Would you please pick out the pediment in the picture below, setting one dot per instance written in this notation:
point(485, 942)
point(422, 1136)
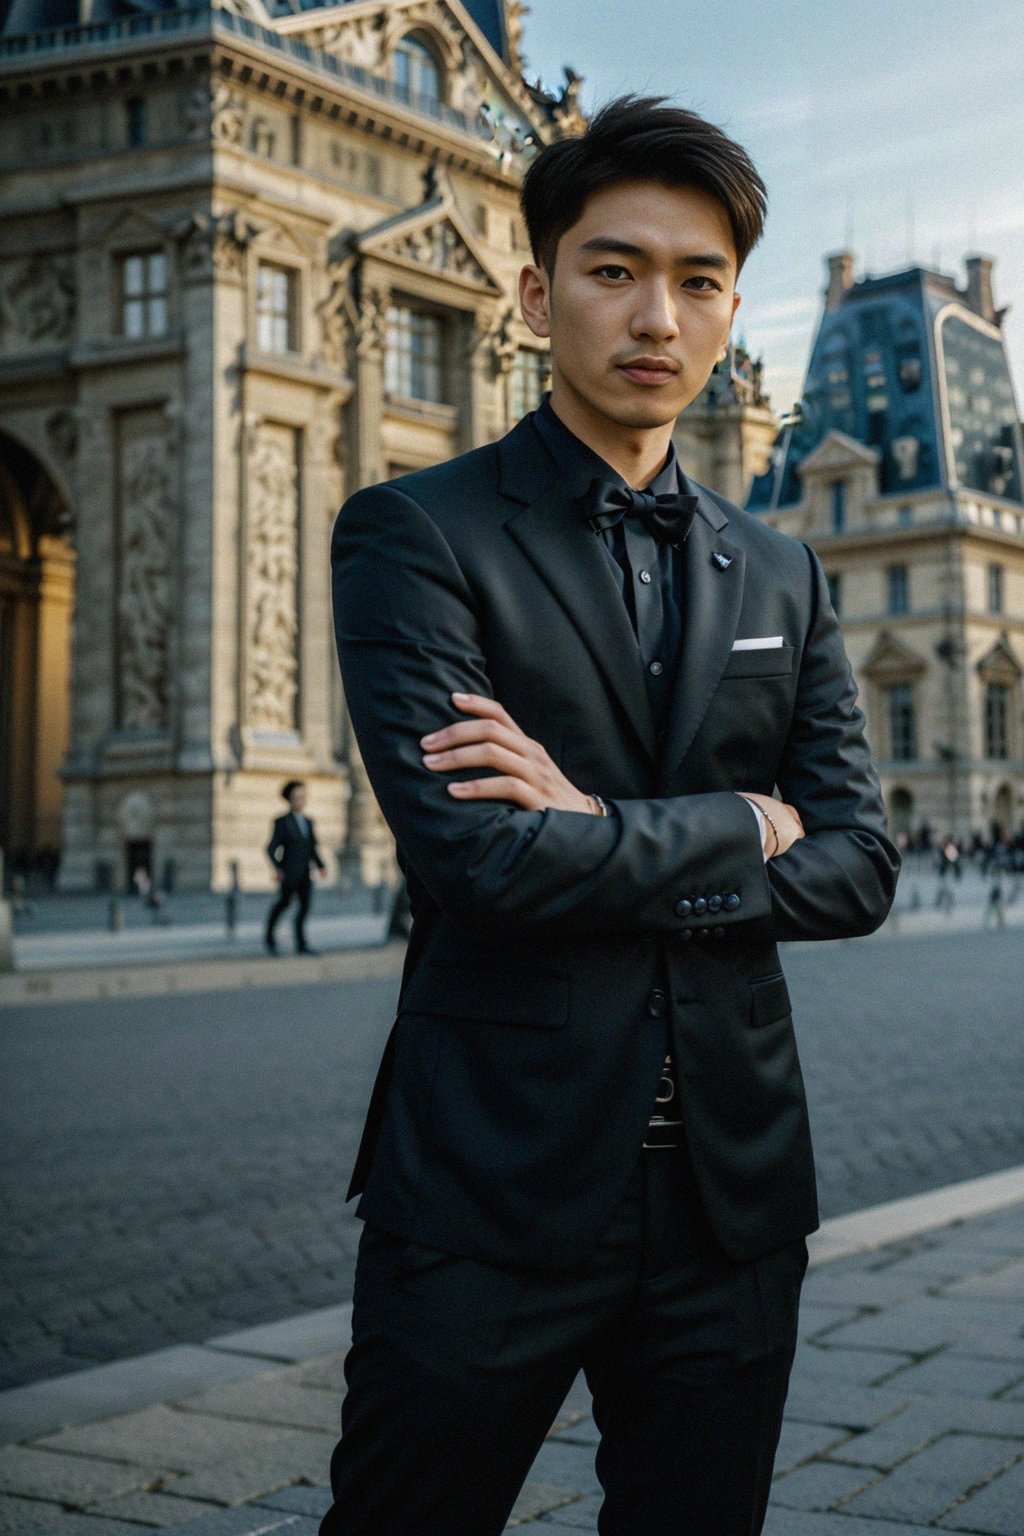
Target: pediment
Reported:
point(132, 226)
point(431, 238)
point(837, 452)
point(271, 238)
point(891, 661)
point(999, 664)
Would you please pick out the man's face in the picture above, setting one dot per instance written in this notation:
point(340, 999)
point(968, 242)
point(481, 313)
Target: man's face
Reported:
point(640, 304)
point(297, 798)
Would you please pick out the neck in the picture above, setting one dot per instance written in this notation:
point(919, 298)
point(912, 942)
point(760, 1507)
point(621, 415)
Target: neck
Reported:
point(636, 453)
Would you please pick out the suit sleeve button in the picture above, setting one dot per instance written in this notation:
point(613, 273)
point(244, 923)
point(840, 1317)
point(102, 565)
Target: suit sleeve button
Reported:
point(684, 908)
point(700, 906)
point(719, 933)
point(657, 1003)
point(715, 903)
point(686, 935)
point(705, 933)
point(731, 902)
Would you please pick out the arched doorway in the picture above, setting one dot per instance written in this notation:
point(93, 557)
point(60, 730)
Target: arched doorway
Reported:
point(36, 600)
point(901, 811)
point(1002, 812)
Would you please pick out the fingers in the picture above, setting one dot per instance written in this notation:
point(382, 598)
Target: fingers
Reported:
point(465, 731)
point(499, 788)
point(476, 754)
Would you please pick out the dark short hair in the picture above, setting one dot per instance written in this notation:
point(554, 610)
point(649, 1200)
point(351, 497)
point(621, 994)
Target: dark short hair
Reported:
point(640, 138)
point(286, 791)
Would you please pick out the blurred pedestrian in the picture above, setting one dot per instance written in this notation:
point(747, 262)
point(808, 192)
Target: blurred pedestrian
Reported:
point(292, 849)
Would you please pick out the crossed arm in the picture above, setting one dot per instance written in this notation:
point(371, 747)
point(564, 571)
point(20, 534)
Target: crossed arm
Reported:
point(525, 775)
point(513, 853)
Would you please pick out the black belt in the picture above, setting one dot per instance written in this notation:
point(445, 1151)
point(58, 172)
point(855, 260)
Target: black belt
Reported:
point(665, 1129)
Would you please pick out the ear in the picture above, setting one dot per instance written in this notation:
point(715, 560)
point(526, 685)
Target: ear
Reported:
point(535, 299)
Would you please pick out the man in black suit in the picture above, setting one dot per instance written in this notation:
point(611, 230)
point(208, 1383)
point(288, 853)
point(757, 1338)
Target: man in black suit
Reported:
point(292, 849)
point(609, 718)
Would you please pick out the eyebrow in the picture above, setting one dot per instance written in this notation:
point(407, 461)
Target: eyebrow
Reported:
point(608, 245)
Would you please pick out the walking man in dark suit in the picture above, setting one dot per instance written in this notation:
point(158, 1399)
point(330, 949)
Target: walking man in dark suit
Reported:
point(292, 849)
point(609, 718)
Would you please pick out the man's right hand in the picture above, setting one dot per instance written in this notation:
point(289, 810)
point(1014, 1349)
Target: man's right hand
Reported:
point(786, 819)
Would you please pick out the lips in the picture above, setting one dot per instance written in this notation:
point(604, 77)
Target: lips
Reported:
point(649, 370)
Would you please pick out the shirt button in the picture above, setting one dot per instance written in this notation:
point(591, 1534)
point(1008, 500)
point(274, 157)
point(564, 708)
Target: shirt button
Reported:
point(684, 908)
point(655, 668)
point(645, 577)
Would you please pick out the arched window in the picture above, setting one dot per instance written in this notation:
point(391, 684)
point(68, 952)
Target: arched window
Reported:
point(417, 73)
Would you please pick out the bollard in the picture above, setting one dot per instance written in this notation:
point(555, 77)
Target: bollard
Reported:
point(6, 926)
point(231, 902)
point(115, 915)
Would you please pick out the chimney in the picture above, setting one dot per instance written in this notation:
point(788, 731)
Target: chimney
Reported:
point(979, 286)
point(840, 277)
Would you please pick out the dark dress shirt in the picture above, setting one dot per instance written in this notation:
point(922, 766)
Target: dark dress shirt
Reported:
point(649, 576)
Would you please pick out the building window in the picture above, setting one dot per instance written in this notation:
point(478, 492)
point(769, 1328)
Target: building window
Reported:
point(997, 720)
point(995, 589)
point(416, 72)
point(835, 592)
point(838, 490)
point(902, 723)
point(135, 121)
point(413, 359)
point(904, 516)
point(529, 380)
point(144, 294)
point(275, 308)
point(898, 578)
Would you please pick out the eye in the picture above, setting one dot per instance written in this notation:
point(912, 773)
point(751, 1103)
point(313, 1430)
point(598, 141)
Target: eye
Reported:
point(612, 271)
point(712, 287)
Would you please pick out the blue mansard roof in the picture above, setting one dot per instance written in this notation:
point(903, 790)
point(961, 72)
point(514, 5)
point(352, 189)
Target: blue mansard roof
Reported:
point(917, 368)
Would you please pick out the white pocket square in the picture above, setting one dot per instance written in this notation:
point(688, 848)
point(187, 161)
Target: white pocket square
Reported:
point(759, 643)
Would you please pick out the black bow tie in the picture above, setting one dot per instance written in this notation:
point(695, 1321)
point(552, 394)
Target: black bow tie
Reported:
point(667, 517)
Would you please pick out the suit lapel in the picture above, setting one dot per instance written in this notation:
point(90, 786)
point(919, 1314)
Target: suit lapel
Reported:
point(568, 558)
point(712, 598)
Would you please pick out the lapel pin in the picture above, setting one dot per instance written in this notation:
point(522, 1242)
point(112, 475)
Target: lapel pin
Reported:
point(722, 561)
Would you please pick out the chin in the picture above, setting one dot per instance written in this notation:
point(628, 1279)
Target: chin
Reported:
point(643, 412)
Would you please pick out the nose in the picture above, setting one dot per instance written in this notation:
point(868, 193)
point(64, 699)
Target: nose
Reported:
point(655, 313)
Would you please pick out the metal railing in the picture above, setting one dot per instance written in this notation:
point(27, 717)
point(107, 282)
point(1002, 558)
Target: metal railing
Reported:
point(206, 19)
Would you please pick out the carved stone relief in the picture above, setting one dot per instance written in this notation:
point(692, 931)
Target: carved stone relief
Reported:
point(439, 245)
point(372, 322)
point(37, 302)
point(357, 42)
point(338, 323)
point(495, 336)
point(144, 584)
point(271, 690)
point(214, 245)
point(228, 113)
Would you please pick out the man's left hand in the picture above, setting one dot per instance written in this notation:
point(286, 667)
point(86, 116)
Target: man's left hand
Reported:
point(526, 776)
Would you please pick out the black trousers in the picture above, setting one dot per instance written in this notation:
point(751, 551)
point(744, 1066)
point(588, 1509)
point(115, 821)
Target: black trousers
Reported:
point(458, 1368)
point(302, 888)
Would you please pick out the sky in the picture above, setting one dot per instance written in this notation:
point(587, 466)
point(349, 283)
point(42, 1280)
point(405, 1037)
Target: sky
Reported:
point(892, 128)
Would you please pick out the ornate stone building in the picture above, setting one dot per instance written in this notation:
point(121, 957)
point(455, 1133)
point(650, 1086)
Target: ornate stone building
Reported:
point(906, 473)
point(251, 258)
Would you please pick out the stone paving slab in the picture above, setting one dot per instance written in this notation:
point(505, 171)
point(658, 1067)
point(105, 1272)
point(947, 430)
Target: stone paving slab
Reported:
point(877, 1440)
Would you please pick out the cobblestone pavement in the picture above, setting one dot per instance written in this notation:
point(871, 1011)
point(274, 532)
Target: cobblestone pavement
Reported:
point(905, 1413)
point(175, 1166)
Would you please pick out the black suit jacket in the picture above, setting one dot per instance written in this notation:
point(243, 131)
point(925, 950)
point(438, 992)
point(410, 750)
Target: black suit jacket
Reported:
point(291, 852)
point(552, 951)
